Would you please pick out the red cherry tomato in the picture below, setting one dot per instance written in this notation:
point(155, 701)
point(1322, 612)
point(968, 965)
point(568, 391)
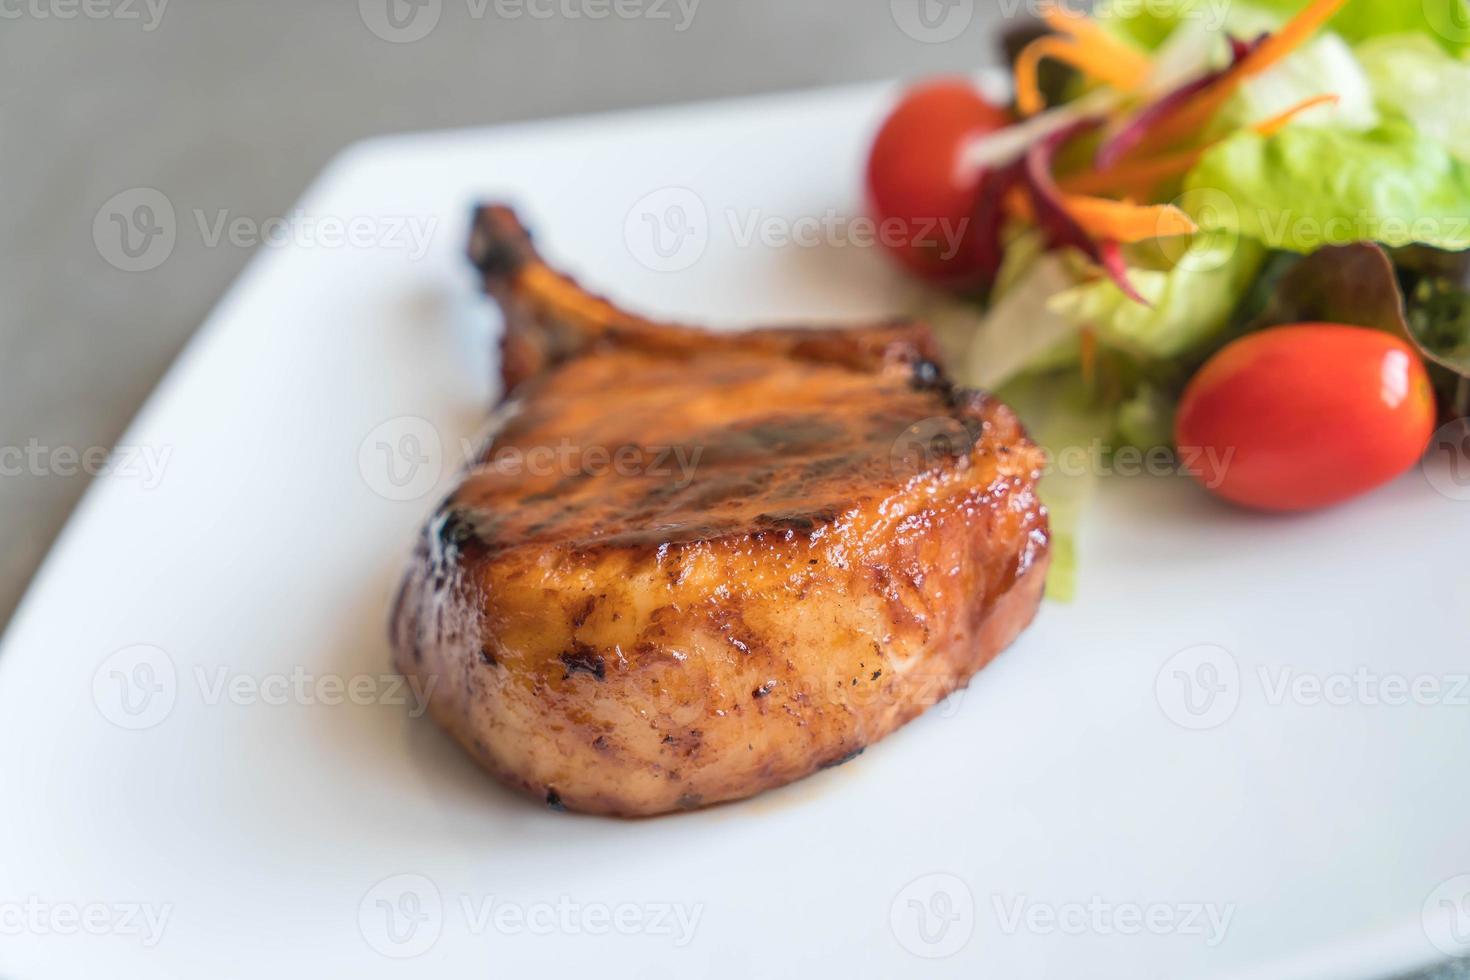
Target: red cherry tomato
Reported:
point(1305, 416)
point(920, 191)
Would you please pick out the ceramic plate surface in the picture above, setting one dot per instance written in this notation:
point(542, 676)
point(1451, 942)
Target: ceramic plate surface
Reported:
point(1240, 753)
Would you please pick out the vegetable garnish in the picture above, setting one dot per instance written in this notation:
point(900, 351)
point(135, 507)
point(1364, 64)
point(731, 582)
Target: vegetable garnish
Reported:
point(1195, 113)
point(1085, 46)
point(1143, 176)
point(1182, 187)
point(1127, 223)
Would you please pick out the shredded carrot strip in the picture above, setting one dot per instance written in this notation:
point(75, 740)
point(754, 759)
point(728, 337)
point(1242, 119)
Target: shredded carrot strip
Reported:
point(1131, 175)
point(1088, 338)
point(1194, 114)
point(1094, 61)
point(1127, 223)
point(1278, 122)
point(1028, 66)
point(1092, 36)
point(1150, 172)
point(1017, 204)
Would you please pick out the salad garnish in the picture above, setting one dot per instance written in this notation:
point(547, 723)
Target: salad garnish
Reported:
point(1161, 188)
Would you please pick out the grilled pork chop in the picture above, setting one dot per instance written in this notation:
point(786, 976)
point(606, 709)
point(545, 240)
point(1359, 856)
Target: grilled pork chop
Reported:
point(691, 566)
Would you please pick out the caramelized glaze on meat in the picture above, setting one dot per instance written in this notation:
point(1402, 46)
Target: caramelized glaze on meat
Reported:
point(691, 566)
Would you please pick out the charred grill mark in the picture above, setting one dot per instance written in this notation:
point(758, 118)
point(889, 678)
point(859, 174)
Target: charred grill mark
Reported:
point(795, 520)
point(583, 659)
point(456, 529)
point(834, 763)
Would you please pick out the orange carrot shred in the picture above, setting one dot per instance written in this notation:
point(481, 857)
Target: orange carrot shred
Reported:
point(1018, 205)
point(1088, 337)
point(1128, 60)
point(1160, 168)
point(1194, 114)
point(1123, 222)
point(1028, 66)
point(1132, 175)
point(1105, 61)
point(1278, 122)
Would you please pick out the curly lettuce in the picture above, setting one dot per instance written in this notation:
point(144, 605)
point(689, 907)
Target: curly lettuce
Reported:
point(1189, 304)
point(1413, 78)
point(1308, 187)
point(1446, 22)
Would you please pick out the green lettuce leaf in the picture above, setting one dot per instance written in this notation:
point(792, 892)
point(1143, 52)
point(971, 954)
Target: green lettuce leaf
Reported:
point(1146, 419)
point(1447, 22)
point(1189, 303)
point(1414, 78)
point(1062, 416)
point(1323, 66)
point(1150, 22)
point(1307, 187)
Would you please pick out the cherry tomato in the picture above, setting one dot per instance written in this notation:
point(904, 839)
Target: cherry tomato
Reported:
point(1305, 416)
point(920, 190)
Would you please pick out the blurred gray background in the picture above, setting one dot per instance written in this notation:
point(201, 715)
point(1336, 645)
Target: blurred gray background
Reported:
point(235, 106)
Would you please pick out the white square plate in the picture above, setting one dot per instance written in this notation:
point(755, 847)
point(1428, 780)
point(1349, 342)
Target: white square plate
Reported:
point(1128, 792)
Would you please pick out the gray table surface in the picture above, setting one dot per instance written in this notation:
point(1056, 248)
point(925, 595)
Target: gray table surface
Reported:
point(235, 106)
